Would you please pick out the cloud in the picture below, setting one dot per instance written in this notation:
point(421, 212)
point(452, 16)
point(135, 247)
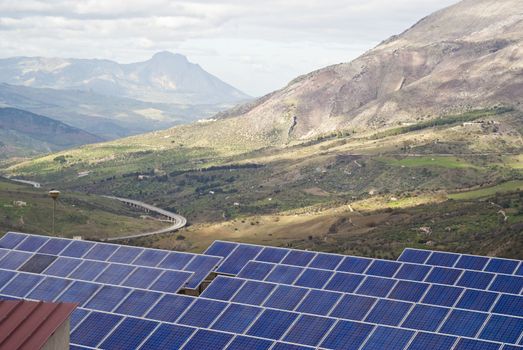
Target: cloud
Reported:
point(257, 46)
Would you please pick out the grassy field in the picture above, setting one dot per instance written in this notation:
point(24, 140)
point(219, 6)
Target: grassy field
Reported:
point(449, 162)
point(510, 186)
point(89, 216)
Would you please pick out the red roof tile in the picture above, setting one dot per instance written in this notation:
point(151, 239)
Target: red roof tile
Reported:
point(26, 325)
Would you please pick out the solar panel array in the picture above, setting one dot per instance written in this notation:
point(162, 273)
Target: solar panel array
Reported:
point(268, 298)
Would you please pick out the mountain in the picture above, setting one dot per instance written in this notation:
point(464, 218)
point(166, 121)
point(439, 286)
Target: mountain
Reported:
point(463, 57)
point(165, 78)
point(26, 134)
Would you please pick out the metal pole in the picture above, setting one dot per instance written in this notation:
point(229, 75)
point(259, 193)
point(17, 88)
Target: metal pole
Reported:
point(54, 208)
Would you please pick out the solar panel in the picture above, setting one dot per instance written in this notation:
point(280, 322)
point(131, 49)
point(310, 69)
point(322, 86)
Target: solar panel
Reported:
point(388, 312)
point(423, 341)
point(205, 339)
point(318, 302)
point(243, 342)
point(37, 263)
point(54, 246)
point(223, 288)
point(464, 323)
point(236, 318)
point(21, 285)
point(388, 338)
point(48, 289)
point(238, 258)
point(95, 327)
point(270, 254)
point(347, 335)
point(138, 302)
point(256, 270)
point(168, 336)
point(170, 308)
point(10, 240)
point(101, 252)
point(272, 324)
point(286, 297)
point(253, 293)
point(344, 282)
point(107, 298)
point(129, 334)
point(309, 330)
point(32, 243)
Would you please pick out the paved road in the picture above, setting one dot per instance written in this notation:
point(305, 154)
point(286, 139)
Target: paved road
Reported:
point(27, 182)
point(178, 220)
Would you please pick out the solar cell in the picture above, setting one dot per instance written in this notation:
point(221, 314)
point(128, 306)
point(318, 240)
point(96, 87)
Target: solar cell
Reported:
point(168, 336)
point(3, 252)
point(11, 239)
point(388, 338)
point(171, 281)
point(273, 255)
point(472, 262)
point(125, 254)
point(48, 289)
point(256, 270)
point(236, 318)
point(443, 275)
point(313, 278)
point(37, 263)
point(142, 277)
point(21, 284)
point(114, 274)
point(414, 255)
point(354, 264)
point(347, 335)
point(176, 261)
point(170, 307)
point(220, 248)
point(101, 252)
point(205, 339)
point(202, 313)
point(94, 328)
point(442, 295)
point(13, 260)
point(376, 286)
point(424, 341)
point(477, 300)
point(78, 292)
point(241, 342)
point(285, 297)
point(32, 243)
point(138, 303)
point(326, 261)
point(425, 317)
point(472, 344)
point(502, 265)
point(413, 272)
point(464, 323)
point(503, 329)
point(475, 279)
point(54, 246)
point(383, 268)
point(388, 312)
point(129, 334)
point(519, 272)
point(77, 316)
point(507, 284)
point(88, 270)
point(309, 330)
point(107, 298)
point(344, 282)
point(442, 259)
point(62, 267)
point(222, 288)
point(253, 293)
point(298, 258)
point(5, 276)
point(272, 324)
point(150, 257)
point(201, 266)
point(353, 307)
point(509, 305)
point(77, 249)
point(284, 274)
point(238, 258)
point(319, 302)
point(408, 291)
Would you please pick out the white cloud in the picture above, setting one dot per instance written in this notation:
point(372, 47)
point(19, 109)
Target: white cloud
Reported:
point(257, 46)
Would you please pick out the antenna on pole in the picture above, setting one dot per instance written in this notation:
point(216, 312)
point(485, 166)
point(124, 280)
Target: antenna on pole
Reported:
point(54, 195)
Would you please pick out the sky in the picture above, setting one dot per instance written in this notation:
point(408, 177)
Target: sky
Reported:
point(256, 46)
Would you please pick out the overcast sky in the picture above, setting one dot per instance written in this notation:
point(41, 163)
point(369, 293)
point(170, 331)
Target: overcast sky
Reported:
point(257, 46)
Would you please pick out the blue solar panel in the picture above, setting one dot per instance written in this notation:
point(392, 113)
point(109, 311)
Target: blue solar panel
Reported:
point(241, 342)
point(49, 289)
point(388, 312)
point(107, 298)
point(3, 252)
point(204, 339)
point(284, 274)
point(150, 257)
point(376, 286)
point(202, 313)
point(424, 341)
point(13, 260)
point(408, 291)
point(471, 344)
point(176, 261)
point(286, 297)
point(11, 240)
point(32, 243)
point(21, 285)
point(171, 281)
point(443, 259)
point(170, 307)
point(129, 334)
point(272, 324)
point(238, 258)
point(509, 305)
point(77, 316)
point(464, 323)
point(5, 276)
point(94, 328)
point(443, 275)
point(502, 265)
point(471, 262)
point(512, 347)
point(220, 248)
point(309, 330)
point(413, 272)
point(520, 270)
point(503, 329)
point(62, 267)
point(125, 254)
point(287, 346)
point(388, 338)
point(326, 261)
point(347, 335)
point(344, 282)
point(475, 279)
point(168, 336)
point(54, 246)
point(313, 278)
point(353, 307)
point(273, 255)
point(101, 252)
point(414, 255)
point(383, 268)
point(138, 302)
point(318, 302)
point(507, 284)
point(442, 295)
point(142, 277)
point(354, 264)
point(236, 318)
point(88, 270)
point(78, 292)
point(115, 274)
point(77, 249)
point(298, 258)
point(425, 317)
point(477, 300)
point(37, 263)
point(222, 288)
point(201, 265)
point(256, 270)
point(253, 293)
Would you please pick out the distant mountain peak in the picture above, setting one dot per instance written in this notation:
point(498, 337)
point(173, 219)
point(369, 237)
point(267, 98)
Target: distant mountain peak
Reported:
point(168, 56)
